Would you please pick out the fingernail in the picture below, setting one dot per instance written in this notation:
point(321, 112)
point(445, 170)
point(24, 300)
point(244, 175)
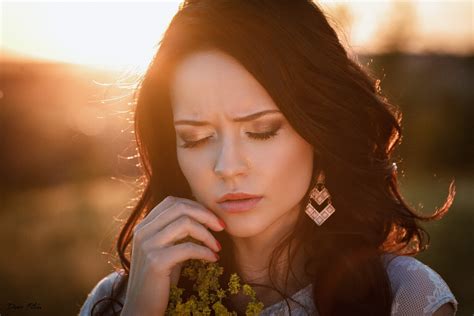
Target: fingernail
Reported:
point(222, 223)
point(219, 245)
point(217, 256)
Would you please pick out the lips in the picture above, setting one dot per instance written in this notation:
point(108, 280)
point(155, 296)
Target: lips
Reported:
point(237, 196)
point(239, 205)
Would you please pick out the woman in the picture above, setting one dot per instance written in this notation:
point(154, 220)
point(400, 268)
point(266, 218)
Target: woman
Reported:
point(258, 101)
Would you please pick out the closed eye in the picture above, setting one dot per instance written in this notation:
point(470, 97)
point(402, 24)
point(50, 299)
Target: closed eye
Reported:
point(257, 136)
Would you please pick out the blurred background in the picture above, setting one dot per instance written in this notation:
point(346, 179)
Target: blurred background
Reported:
point(67, 75)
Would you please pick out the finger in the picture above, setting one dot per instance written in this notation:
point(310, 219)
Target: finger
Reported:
point(156, 211)
point(214, 222)
point(179, 229)
point(188, 250)
point(166, 259)
point(179, 209)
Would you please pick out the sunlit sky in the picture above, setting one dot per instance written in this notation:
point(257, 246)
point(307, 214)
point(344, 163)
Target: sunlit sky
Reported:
point(125, 33)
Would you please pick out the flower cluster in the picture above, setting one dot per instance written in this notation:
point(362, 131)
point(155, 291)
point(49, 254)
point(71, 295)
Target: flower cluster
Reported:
point(207, 295)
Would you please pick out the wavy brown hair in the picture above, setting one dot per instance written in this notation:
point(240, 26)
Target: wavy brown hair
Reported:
point(334, 104)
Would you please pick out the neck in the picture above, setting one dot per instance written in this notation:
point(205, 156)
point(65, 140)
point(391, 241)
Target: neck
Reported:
point(267, 295)
point(252, 254)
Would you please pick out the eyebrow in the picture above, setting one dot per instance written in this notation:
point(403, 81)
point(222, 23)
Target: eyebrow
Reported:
point(246, 118)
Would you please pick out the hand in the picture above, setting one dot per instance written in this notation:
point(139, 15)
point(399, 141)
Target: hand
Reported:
point(156, 258)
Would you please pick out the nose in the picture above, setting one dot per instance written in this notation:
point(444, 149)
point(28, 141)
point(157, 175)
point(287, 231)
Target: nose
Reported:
point(230, 160)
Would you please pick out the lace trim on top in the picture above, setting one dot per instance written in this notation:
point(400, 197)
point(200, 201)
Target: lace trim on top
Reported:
point(418, 288)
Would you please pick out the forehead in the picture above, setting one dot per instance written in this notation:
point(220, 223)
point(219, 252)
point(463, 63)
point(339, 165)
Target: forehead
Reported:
point(208, 82)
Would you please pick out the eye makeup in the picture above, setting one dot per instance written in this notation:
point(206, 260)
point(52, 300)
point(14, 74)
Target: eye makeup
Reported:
point(268, 130)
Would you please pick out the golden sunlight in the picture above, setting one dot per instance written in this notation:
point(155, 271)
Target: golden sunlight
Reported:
point(106, 34)
point(125, 34)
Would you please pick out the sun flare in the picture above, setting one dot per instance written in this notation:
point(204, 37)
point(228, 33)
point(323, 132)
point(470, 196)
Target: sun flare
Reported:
point(106, 34)
point(116, 34)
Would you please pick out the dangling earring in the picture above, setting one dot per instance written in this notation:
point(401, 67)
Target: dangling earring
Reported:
point(319, 194)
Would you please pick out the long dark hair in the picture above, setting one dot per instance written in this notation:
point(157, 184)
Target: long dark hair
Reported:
point(334, 104)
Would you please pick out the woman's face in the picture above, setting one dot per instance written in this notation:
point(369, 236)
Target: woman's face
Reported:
point(211, 86)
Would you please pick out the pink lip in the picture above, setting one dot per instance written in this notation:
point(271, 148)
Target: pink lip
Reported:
point(236, 196)
point(237, 206)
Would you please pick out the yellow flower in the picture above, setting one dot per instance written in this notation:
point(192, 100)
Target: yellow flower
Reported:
point(234, 283)
point(207, 295)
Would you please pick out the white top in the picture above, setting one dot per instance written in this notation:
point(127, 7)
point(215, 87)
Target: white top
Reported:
point(418, 290)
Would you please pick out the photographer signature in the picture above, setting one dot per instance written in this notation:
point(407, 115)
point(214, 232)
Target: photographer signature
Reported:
point(14, 306)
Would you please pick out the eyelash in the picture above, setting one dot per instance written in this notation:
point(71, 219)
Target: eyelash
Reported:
point(258, 136)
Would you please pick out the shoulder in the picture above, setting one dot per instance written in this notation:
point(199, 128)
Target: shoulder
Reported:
point(101, 290)
point(417, 289)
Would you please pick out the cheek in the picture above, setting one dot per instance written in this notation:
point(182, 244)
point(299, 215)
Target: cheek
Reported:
point(193, 166)
point(289, 168)
point(190, 166)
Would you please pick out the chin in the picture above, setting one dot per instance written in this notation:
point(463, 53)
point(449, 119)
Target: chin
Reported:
point(243, 227)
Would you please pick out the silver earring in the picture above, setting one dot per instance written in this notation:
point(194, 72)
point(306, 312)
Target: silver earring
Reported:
point(320, 194)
